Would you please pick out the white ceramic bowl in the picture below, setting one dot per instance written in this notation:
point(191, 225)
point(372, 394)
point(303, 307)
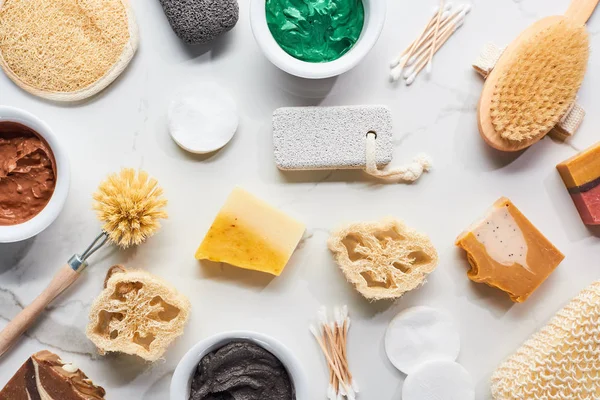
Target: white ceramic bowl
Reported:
point(15, 233)
point(374, 20)
point(182, 378)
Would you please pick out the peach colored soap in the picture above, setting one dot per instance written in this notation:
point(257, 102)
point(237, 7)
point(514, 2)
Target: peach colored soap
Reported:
point(508, 252)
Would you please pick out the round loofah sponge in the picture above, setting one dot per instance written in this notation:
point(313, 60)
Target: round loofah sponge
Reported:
point(137, 313)
point(541, 81)
point(383, 259)
point(66, 50)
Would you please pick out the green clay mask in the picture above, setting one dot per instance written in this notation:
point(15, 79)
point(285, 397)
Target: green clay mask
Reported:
point(315, 30)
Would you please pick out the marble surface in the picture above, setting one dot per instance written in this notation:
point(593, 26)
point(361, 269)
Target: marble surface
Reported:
point(126, 126)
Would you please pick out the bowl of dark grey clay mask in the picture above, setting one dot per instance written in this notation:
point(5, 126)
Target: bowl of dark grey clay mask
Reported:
point(34, 175)
point(314, 38)
point(239, 365)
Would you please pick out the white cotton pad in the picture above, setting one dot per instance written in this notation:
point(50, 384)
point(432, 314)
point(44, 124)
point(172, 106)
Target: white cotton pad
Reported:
point(203, 119)
point(439, 380)
point(421, 334)
point(314, 138)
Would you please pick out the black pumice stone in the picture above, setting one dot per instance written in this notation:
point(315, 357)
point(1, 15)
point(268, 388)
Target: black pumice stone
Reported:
point(200, 21)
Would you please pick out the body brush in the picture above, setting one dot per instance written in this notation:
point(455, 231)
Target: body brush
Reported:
point(535, 82)
point(130, 205)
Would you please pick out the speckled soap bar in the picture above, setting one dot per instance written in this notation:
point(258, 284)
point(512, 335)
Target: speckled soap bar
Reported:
point(313, 138)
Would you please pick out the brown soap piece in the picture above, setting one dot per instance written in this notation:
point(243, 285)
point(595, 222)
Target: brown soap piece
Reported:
point(45, 376)
point(506, 251)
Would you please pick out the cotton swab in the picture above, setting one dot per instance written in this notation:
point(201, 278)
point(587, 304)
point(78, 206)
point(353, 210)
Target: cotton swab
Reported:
point(435, 37)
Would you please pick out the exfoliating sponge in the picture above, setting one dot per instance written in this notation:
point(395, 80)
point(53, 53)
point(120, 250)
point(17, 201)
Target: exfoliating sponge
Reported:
point(137, 313)
point(314, 138)
point(561, 361)
point(383, 259)
point(201, 21)
point(540, 82)
point(66, 50)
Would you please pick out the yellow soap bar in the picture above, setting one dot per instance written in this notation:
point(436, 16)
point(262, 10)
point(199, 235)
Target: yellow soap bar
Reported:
point(250, 234)
point(506, 251)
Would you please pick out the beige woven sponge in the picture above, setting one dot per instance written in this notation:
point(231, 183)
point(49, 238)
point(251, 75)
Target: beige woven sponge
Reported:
point(137, 313)
point(561, 361)
point(541, 81)
point(384, 259)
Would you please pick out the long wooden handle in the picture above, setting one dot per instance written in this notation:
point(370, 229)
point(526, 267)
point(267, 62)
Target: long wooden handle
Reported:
point(15, 328)
point(581, 10)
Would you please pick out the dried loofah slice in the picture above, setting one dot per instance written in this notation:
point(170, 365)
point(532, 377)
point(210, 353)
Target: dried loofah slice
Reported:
point(541, 81)
point(137, 313)
point(66, 50)
point(560, 362)
point(384, 259)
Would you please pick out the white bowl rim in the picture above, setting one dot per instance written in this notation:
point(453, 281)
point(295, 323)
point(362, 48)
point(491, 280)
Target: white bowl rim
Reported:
point(375, 11)
point(182, 377)
point(30, 228)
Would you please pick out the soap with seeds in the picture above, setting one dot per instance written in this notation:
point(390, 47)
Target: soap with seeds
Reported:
point(318, 138)
point(581, 175)
point(506, 251)
point(250, 234)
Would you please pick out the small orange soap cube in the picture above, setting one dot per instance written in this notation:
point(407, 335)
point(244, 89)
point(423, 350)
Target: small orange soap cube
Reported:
point(506, 251)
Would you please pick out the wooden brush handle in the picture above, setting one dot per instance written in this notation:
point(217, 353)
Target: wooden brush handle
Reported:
point(581, 10)
point(15, 328)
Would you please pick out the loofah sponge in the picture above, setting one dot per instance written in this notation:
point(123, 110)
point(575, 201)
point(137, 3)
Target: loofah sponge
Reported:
point(136, 313)
point(560, 362)
point(66, 50)
point(541, 81)
point(200, 21)
point(384, 259)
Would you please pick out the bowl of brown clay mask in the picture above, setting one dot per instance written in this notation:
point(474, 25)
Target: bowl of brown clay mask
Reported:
point(241, 366)
point(34, 175)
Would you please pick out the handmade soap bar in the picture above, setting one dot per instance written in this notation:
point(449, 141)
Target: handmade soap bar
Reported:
point(581, 175)
point(250, 234)
point(45, 376)
point(506, 251)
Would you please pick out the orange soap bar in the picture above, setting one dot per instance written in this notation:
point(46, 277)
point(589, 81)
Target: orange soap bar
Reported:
point(506, 251)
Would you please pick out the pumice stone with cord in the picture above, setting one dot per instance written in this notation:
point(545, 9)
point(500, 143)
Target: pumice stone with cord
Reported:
point(130, 205)
point(347, 137)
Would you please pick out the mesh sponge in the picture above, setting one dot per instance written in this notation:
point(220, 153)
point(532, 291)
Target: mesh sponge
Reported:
point(562, 361)
point(384, 259)
point(540, 81)
point(64, 45)
point(136, 313)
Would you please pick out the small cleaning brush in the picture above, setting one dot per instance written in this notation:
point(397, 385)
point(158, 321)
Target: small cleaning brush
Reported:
point(536, 80)
point(130, 205)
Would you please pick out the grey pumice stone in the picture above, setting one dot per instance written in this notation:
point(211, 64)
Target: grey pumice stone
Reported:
point(200, 21)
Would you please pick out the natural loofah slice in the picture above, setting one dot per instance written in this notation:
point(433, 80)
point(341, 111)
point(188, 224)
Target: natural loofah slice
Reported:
point(540, 82)
point(66, 50)
point(384, 259)
point(560, 362)
point(137, 313)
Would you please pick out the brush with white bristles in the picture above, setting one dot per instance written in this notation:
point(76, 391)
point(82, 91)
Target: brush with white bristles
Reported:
point(332, 338)
point(419, 55)
point(130, 205)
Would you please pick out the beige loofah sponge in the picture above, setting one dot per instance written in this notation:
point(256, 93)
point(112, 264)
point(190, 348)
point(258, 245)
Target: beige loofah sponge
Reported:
point(384, 259)
point(137, 313)
point(560, 362)
point(66, 50)
point(540, 82)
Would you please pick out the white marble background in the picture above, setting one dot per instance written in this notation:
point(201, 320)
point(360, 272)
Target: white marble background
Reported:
point(126, 126)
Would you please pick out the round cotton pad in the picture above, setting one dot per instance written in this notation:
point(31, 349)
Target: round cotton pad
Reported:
point(203, 120)
point(439, 380)
point(421, 334)
point(66, 50)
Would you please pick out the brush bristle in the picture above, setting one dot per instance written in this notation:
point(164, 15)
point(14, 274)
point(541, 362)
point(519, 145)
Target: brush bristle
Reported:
point(541, 81)
point(130, 205)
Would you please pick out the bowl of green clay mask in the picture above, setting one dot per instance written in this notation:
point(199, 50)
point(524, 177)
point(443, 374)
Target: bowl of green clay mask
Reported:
point(316, 38)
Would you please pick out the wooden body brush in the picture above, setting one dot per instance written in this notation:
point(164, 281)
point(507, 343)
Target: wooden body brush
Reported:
point(130, 205)
point(536, 80)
